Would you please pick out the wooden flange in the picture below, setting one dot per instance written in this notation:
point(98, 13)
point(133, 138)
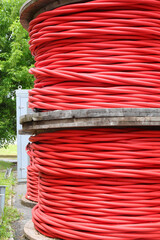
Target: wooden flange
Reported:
point(27, 202)
point(88, 118)
point(32, 234)
point(32, 8)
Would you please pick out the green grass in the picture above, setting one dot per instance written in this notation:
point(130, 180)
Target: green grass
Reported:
point(10, 213)
point(9, 182)
point(5, 165)
point(10, 150)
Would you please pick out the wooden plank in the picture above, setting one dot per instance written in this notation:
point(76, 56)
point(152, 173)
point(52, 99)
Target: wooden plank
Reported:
point(52, 125)
point(91, 113)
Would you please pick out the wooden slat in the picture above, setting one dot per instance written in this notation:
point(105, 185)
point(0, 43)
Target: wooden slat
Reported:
point(91, 113)
point(52, 125)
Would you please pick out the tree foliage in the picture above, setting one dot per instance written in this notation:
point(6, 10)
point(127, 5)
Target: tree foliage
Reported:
point(15, 60)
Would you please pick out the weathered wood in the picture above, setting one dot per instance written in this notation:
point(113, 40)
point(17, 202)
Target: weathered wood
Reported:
point(32, 234)
point(32, 8)
point(73, 123)
point(27, 203)
point(91, 113)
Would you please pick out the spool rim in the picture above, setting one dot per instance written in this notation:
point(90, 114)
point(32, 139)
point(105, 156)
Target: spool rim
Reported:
point(32, 8)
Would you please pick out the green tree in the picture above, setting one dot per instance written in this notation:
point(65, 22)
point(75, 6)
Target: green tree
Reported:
point(15, 60)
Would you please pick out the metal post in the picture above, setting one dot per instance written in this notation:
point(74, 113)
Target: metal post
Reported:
point(2, 198)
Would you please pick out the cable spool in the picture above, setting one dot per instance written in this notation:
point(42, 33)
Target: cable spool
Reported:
point(98, 54)
point(98, 184)
point(32, 178)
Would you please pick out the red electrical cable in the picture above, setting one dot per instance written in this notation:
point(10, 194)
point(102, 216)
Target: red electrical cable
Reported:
point(97, 54)
point(32, 179)
point(98, 184)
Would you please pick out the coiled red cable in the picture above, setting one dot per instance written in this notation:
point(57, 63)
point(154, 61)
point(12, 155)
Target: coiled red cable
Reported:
point(98, 184)
point(32, 179)
point(97, 54)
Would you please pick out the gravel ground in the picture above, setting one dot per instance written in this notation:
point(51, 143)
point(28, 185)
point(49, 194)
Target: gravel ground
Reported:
point(26, 215)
